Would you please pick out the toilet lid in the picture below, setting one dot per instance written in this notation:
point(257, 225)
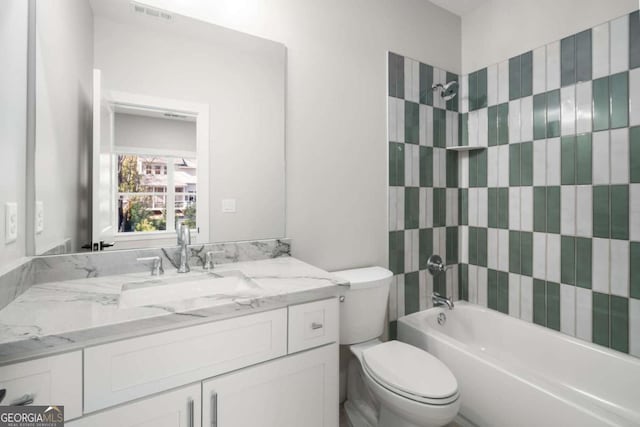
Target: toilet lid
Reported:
point(410, 371)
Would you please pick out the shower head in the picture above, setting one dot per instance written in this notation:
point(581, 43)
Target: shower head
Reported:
point(449, 90)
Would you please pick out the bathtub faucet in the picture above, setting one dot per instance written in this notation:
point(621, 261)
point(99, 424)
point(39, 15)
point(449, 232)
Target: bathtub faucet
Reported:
point(439, 300)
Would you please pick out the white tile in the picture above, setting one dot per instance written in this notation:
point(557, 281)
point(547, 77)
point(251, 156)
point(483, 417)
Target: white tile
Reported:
point(400, 208)
point(492, 248)
point(553, 161)
point(526, 208)
point(514, 295)
point(452, 282)
point(473, 284)
point(568, 110)
point(408, 79)
point(429, 210)
point(452, 206)
point(634, 97)
point(464, 94)
point(400, 295)
point(393, 201)
point(482, 286)
point(540, 70)
point(441, 234)
point(514, 121)
point(483, 127)
point(450, 122)
point(400, 120)
point(503, 166)
point(619, 267)
point(553, 258)
point(514, 208)
point(583, 314)
point(483, 206)
point(455, 117)
point(503, 250)
point(422, 220)
point(620, 44)
point(463, 244)
point(429, 126)
point(392, 116)
point(473, 207)
point(393, 299)
point(539, 255)
point(526, 118)
point(634, 212)
point(428, 290)
point(568, 211)
point(620, 156)
point(503, 82)
point(553, 65)
point(439, 76)
point(540, 162)
point(583, 107)
point(568, 309)
point(422, 289)
point(492, 84)
point(492, 166)
point(422, 135)
point(600, 156)
point(472, 128)
point(463, 169)
point(600, 50)
point(584, 210)
point(634, 327)
point(526, 298)
point(600, 265)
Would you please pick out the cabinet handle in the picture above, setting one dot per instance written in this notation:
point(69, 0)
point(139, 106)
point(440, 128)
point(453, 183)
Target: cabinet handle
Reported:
point(214, 409)
point(315, 325)
point(27, 399)
point(191, 414)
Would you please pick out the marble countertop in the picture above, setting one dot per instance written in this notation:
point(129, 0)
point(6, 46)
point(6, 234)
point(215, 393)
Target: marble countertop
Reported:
point(60, 316)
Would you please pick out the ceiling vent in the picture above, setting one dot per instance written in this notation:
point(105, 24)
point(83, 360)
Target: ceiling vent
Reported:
point(151, 11)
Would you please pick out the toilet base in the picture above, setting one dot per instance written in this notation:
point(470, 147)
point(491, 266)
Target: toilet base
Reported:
point(389, 419)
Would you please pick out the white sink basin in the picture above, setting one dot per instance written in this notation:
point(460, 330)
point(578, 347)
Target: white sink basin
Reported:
point(163, 291)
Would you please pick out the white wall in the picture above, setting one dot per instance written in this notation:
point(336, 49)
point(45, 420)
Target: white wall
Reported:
point(500, 29)
point(336, 108)
point(153, 132)
point(64, 58)
point(13, 124)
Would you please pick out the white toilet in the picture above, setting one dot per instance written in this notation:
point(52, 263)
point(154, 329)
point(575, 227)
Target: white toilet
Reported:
point(390, 384)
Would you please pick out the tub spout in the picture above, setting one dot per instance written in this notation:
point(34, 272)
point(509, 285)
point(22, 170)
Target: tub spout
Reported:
point(439, 300)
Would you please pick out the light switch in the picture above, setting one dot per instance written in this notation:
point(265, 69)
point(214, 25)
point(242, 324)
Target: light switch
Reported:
point(10, 222)
point(229, 205)
point(39, 217)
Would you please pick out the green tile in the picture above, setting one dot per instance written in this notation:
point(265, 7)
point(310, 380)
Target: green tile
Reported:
point(411, 293)
point(451, 234)
point(411, 207)
point(473, 169)
point(514, 251)
point(439, 128)
point(619, 323)
point(411, 122)
point(425, 239)
point(481, 94)
point(396, 164)
point(396, 75)
point(452, 104)
point(503, 123)
point(492, 113)
point(526, 253)
point(473, 246)
point(426, 82)
point(540, 209)
point(482, 246)
point(514, 165)
point(526, 74)
point(583, 56)
point(464, 129)
point(526, 163)
point(567, 61)
point(601, 211)
point(481, 159)
point(440, 284)
point(492, 289)
point(430, 83)
point(439, 207)
point(503, 208)
point(492, 208)
point(503, 292)
point(568, 160)
point(393, 330)
point(514, 78)
point(452, 169)
point(568, 260)
point(539, 116)
point(619, 87)
point(634, 40)
point(600, 319)
point(396, 251)
point(539, 302)
point(553, 113)
point(600, 93)
point(473, 91)
point(634, 274)
point(463, 282)
point(619, 212)
point(463, 206)
point(583, 159)
point(634, 153)
point(553, 209)
point(553, 306)
point(426, 166)
point(583, 262)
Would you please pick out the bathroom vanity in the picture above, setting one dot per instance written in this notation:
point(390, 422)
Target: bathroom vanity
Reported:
point(263, 353)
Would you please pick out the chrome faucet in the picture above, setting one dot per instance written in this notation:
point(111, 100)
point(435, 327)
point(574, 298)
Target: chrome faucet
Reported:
point(156, 267)
point(209, 264)
point(435, 265)
point(439, 300)
point(184, 240)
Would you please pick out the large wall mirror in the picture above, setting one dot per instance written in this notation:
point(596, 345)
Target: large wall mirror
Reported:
point(146, 119)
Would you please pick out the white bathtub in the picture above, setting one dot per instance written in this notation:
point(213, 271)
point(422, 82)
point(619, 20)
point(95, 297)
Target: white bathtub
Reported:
point(514, 373)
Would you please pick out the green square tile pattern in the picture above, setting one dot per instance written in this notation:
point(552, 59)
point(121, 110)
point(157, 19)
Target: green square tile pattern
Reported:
point(492, 208)
point(463, 206)
point(583, 56)
point(539, 302)
point(600, 212)
point(553, 113)
point(600, 318)
point(553, 306)
point(568, 260)
point(452, 104)
point(526, 74)
point(463, 131)
point(411, 122)
point(619, 310)
point(503, 208)
point(634, 263)
point(539, 116)
point(492, 289)
point(473, 90)
point(439, 128)
point(426, 167)
point(540, 209)
point(568, 160)
point(619, 100)
point(396, 164)
point(526, 253)
point(478, 89)
point(634, 40)
point(452, 169)
point(503, 123)
point(411, 207)
point(463, 282)
point(396, 75)
point(584, 150)
point(634, 154)
point(502, 303)
point(526, 163)
point(425, 246)
point(600, 93)
point(619, 212)
point(426, 82)
point(411, 292)
point(567, 61)
point(514, 78)
point(451, 245)
point(514, 252)
point(583, 262)
point(553, 210)
point(396, 251)
point(492, 135)
point(514, 165)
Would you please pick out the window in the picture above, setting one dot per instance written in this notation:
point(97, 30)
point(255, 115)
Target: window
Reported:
point(155, 193)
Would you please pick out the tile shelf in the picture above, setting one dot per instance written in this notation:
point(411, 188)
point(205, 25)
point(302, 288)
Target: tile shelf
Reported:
point(465, 148)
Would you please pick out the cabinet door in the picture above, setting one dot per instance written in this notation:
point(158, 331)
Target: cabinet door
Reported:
point(293, 391)
point(177, 408)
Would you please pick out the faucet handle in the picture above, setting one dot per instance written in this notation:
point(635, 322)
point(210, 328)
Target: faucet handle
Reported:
point(435, 265)
point(208, 259)
point(156, 268)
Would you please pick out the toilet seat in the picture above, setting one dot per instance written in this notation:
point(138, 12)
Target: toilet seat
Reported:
point(410, 372)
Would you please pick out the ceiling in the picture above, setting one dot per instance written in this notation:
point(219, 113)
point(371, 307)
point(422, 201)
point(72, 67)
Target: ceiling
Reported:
point(459, 7)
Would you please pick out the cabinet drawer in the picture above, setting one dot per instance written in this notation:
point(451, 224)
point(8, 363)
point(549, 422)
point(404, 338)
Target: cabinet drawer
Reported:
point(55, 380)
point(313, 324)
point(126, 370)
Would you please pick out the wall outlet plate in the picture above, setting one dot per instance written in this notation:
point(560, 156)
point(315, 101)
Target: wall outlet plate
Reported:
point(39, 217)
point(229, 205)
point(10, 222)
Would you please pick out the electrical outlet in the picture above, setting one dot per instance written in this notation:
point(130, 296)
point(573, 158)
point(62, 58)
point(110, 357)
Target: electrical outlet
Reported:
point(10, 222)
point(229, 205)
point(39, 217)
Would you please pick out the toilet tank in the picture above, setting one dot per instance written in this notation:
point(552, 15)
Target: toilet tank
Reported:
point(364, 308)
